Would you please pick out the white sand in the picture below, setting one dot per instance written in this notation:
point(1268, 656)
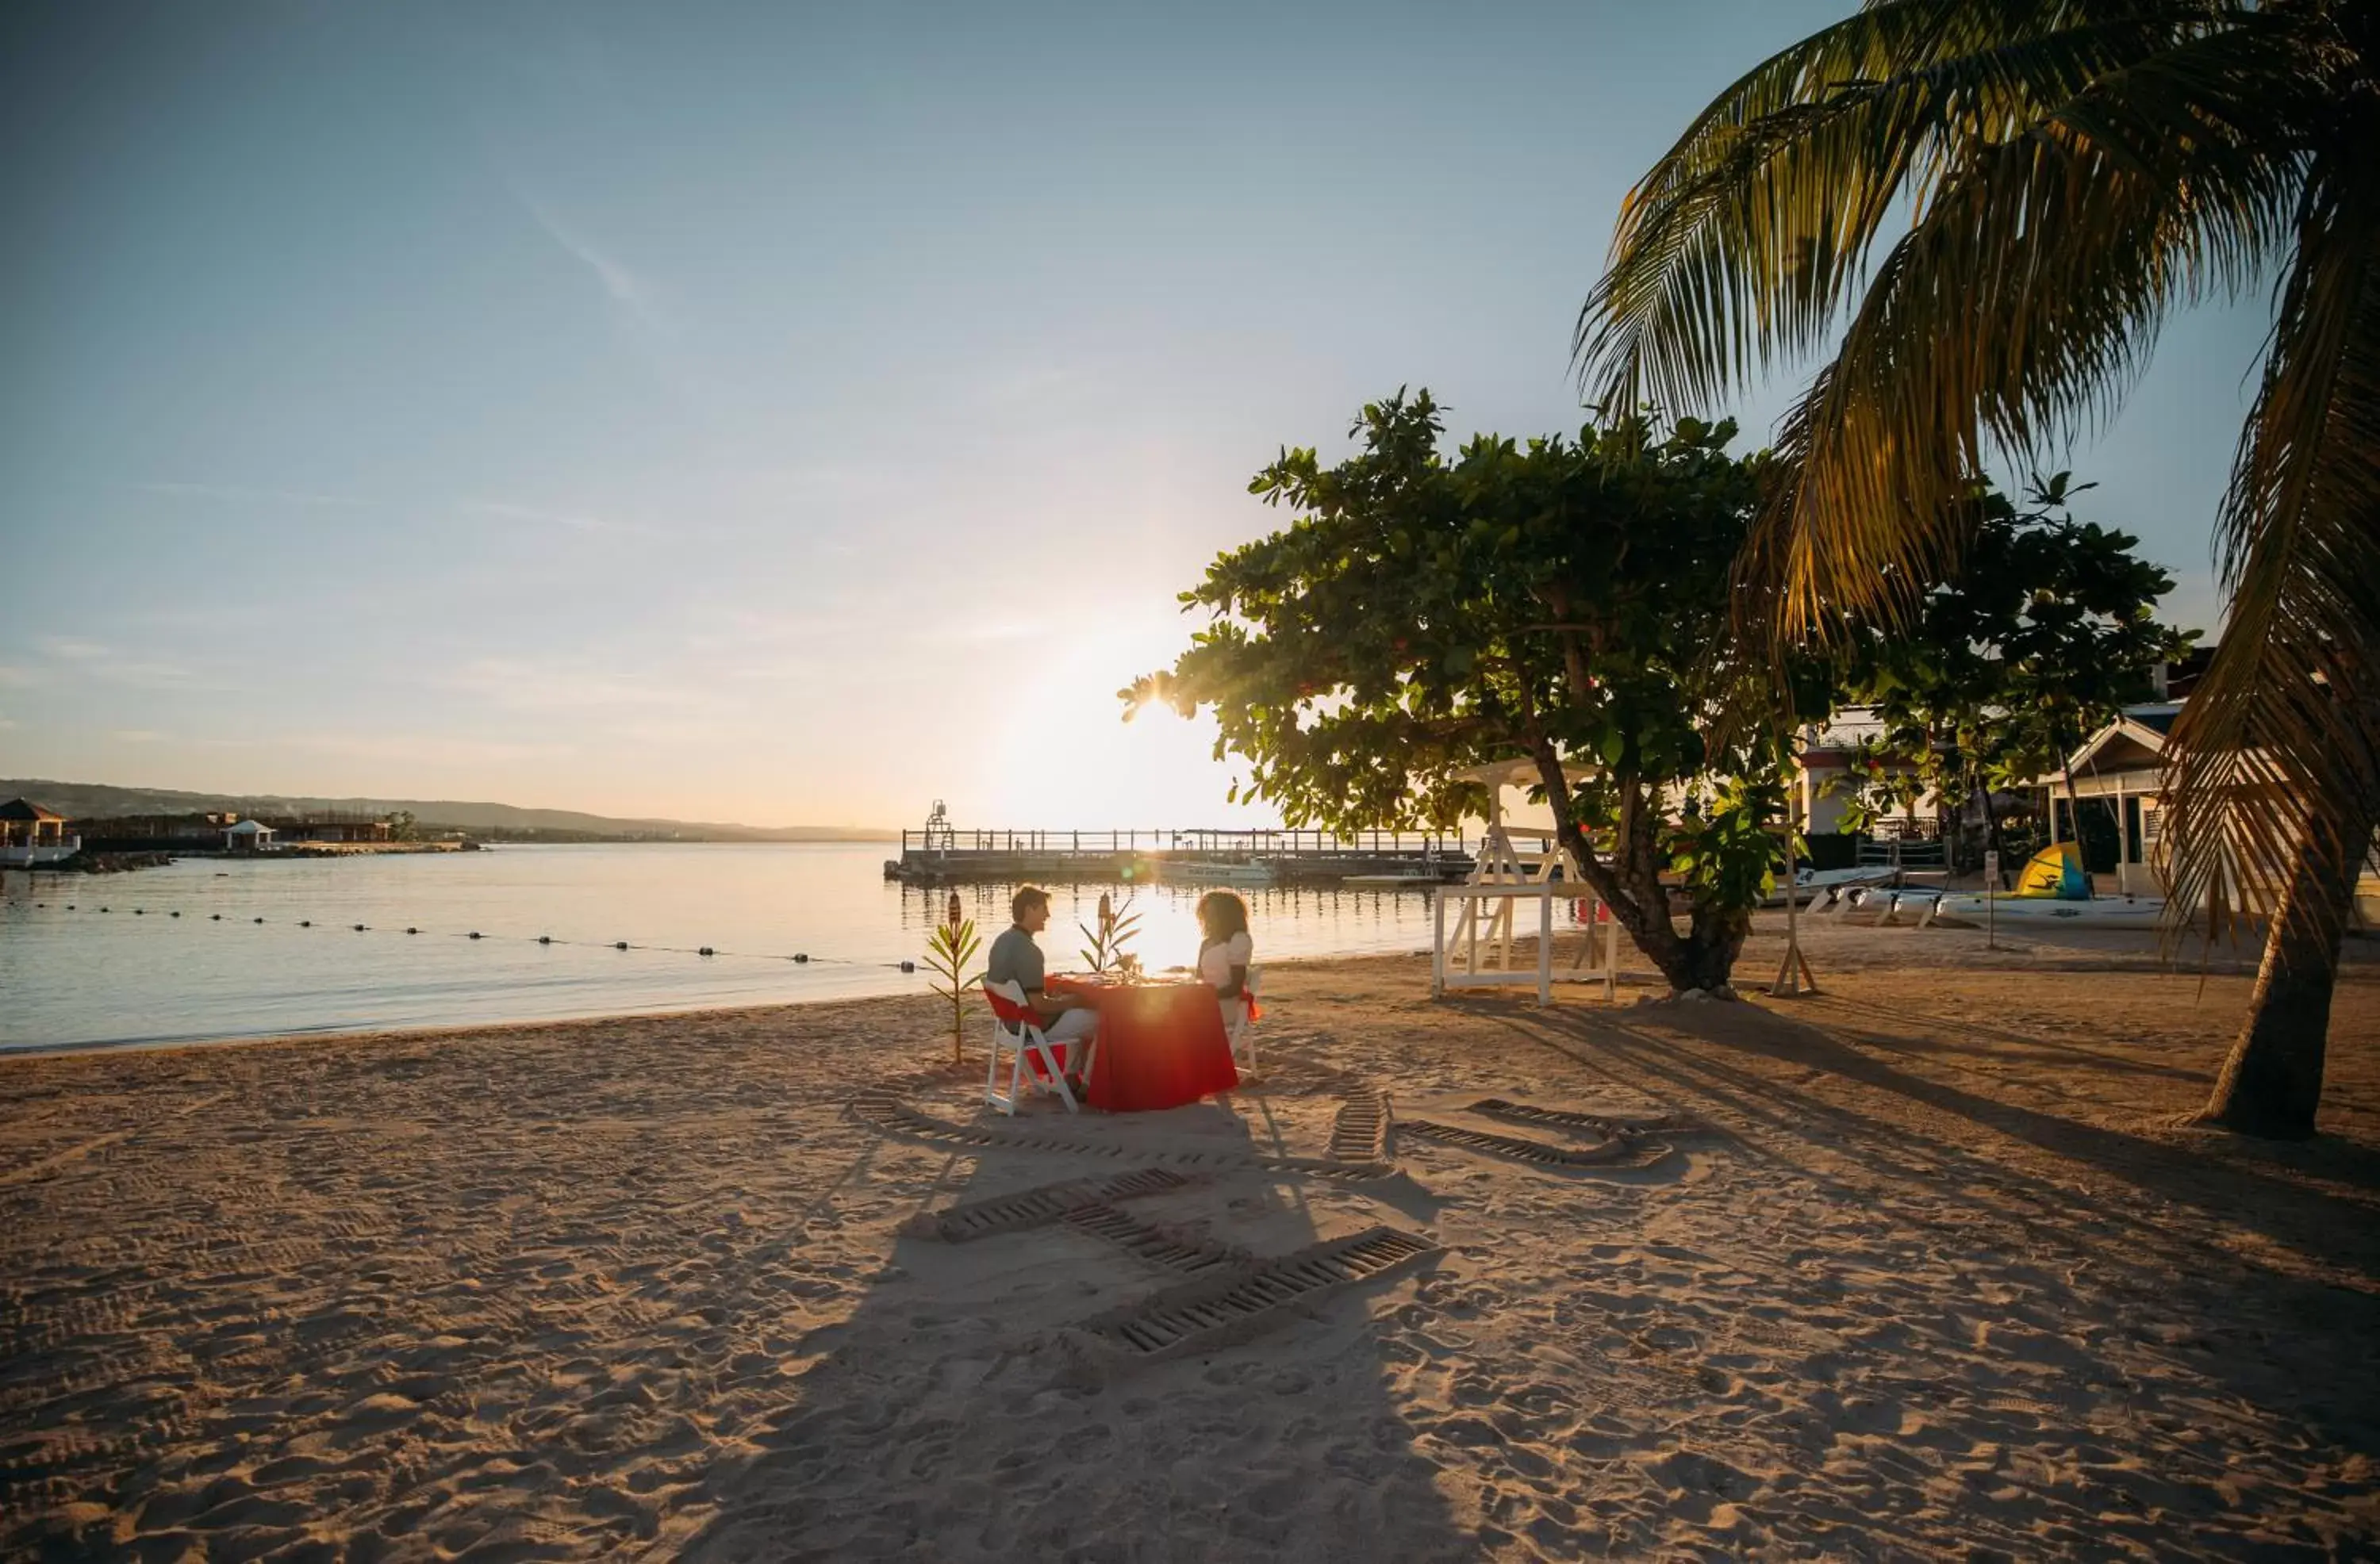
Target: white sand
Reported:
point(1938, 1285)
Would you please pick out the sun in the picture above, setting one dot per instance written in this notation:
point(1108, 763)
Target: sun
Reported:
point(1076, 763)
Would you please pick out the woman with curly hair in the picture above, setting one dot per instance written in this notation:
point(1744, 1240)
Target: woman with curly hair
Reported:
point(1225, 951)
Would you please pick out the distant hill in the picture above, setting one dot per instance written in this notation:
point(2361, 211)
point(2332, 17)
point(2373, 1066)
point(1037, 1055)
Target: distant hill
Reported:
point(96, 800)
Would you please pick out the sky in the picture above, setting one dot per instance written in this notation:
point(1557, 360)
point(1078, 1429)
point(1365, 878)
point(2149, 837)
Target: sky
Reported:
point(776, 413)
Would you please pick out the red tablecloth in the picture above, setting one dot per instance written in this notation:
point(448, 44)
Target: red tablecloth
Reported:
point(1161, 1043)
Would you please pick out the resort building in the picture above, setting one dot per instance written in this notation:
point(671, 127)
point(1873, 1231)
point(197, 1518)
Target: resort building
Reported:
point(155, 833)
point(2114, 775)
point(249, 836)
point(31, 834)
point(2118, 787)
point(1823, 766)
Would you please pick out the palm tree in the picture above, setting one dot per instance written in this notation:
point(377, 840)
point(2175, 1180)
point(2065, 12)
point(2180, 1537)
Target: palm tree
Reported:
point(1987, 208)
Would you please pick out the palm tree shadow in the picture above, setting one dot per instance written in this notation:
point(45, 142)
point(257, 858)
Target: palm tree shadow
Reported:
point(2284, 1211)
point(958, 1411)
point(1806, 1113)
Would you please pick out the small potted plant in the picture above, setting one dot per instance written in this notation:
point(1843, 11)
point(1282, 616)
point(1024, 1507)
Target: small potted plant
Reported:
point(949, 951)
point(1116, 927)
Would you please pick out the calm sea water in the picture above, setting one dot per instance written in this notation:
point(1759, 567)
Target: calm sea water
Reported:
point(137, 974)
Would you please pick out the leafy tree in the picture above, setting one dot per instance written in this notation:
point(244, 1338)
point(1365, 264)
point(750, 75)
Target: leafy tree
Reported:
point(402, 827)
point(2044, 634)
point(1556, 601)
point(2049, 181)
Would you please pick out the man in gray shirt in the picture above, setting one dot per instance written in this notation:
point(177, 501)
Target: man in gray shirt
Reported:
point(1014, 958)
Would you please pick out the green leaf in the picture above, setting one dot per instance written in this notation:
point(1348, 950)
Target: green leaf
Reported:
point(1424, 614)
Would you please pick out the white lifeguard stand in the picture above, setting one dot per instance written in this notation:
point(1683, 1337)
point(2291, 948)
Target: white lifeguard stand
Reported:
point(1479, 952)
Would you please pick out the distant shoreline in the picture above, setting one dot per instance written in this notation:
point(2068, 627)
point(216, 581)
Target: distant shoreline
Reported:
point(110, 861)
point(81, 801)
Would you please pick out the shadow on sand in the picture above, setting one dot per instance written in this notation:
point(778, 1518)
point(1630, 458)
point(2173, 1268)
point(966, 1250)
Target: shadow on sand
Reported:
point(2291, 1268)
point(958, 1413)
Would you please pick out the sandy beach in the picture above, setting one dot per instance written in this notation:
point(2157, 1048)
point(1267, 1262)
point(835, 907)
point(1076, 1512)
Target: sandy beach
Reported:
point(1911, 1268)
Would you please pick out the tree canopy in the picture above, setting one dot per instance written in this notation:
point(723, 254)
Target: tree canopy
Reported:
point(2046, 633)
point(1982, 215)
point(1557, 601)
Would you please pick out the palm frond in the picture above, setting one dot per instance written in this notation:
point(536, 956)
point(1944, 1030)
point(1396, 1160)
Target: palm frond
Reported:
point(2069, 172)
point(2286, 724)
point(1749, 239)
point(2019, 307)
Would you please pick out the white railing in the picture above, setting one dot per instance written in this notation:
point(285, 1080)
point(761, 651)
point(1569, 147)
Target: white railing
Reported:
point(24, 854)
point(1461, 966)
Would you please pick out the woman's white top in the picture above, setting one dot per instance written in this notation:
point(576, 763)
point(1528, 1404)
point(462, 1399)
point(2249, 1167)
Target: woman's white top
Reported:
point(1215, 961)
point(1215, 964)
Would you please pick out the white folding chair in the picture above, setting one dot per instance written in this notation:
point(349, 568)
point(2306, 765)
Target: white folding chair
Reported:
point(1014, 1027)
point(1243, 1032)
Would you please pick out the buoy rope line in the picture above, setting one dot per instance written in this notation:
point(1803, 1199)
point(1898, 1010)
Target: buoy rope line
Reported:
point(800, 958)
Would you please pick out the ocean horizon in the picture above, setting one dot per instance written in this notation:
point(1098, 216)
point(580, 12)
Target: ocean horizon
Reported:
point(208, 949)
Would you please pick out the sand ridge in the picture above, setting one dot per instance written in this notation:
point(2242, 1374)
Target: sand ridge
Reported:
point(1927, 1278)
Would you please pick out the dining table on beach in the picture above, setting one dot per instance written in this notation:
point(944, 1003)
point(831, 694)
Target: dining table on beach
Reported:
point(1161, 1041)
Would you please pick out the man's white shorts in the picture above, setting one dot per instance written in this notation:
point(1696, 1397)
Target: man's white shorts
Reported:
point(1073, 1027)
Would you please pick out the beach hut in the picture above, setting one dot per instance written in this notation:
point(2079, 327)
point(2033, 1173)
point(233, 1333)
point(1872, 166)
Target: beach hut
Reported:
point(1825, 754)
point(31, 834)
point(2119, 770)
point(247, 836)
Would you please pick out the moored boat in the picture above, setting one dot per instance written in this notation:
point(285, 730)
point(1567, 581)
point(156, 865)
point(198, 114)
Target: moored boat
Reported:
point(2052, 889)
point(1196, 871)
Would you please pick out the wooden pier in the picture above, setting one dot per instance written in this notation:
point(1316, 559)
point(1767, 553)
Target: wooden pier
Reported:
point(940, 854)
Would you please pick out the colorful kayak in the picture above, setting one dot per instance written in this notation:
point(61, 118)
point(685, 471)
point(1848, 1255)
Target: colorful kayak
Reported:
point(2052, 889)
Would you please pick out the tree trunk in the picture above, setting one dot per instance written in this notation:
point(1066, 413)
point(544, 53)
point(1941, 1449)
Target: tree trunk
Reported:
point(1641, 910)
point(2271, 1085)
point(1713, 940)
point(1630, 886)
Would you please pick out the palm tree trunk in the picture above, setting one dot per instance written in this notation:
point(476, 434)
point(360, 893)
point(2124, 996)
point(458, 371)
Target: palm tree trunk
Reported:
point(2271, 1085)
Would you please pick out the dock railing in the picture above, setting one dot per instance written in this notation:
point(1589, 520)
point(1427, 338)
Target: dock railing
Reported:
point(31, 854)
point(1205, 842)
